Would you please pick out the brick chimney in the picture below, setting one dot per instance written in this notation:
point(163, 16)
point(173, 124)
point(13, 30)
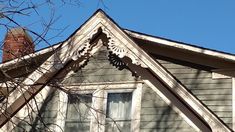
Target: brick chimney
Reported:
point(17, 43)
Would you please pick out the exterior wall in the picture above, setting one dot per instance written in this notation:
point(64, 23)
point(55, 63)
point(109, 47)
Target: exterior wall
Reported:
point(48, 112)
point(157, 116)
point(216, 94)
point(99, 69)
point(44, 121)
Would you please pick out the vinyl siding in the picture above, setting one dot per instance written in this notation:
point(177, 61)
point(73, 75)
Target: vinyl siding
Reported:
point(157, 116)
point(43, 122)
point(99, 69)
point(216, 94)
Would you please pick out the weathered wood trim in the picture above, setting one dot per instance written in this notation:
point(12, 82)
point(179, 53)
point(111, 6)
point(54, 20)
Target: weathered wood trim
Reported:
point(173, 97)
point(24, 93)
point(152, 71)
point(178, 45)
point(216, 75)
point(99, 99)
point(186, 97)
point(185, 56)
point(136, 108)
point(223, 73)
point(103, 85)
point(159, 72)
point(233, 103)
point(37, 80)
point(99, 102)
point(20, 102)
point(155, 89)
point(35, 105)
point(32, 55)
point(61, 112)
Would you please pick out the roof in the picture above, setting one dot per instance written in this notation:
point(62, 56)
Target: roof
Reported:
point(133, 49)
point(157, 41)
point(181, 45)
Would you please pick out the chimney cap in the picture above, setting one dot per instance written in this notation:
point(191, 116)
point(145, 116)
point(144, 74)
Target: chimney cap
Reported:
point(17, 43)
point(19, 31)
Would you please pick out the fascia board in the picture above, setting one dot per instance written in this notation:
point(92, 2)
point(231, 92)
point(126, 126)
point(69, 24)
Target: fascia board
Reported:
point(32, 55)
point(179, 45)
point(167, 78)
point(57, 60)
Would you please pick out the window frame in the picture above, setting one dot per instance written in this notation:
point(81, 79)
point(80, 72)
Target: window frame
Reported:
point(102, 90)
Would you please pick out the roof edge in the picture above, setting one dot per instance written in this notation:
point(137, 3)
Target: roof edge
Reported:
point(50, 48)
point(35, 54)
point(181, 45)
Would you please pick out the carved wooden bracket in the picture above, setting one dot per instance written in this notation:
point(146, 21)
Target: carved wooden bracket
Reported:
point(114, 45)
point(116, 61)
point(120, 49)
point(81, 50)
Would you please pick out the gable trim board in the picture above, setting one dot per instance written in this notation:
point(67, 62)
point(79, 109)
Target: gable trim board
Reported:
point(34, 104)
point(125, 48)
point(26, 57)
point(233, 102)
point(183, 46)
point(163, 47)
point(33, 84)
point(155, 89)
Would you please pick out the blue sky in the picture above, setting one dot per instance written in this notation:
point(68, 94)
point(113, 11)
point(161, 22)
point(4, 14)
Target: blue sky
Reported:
point(206, 23)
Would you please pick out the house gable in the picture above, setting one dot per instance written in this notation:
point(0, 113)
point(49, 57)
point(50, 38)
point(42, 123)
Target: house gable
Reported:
point(101, 71)
point(138, 61)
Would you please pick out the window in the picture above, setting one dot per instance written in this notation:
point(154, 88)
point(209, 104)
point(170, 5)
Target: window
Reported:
point(78, 113)
point(109, 107)
point(118, 112)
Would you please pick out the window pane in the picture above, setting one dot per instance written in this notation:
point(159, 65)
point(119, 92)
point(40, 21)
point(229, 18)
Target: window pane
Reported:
point(118, 114)
point(118, 126)
point(119, 106)
point(77, 127)
point(78, 112)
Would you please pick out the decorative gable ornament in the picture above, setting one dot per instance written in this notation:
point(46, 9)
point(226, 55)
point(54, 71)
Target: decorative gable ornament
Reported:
point(114, 45)
point(81, 46)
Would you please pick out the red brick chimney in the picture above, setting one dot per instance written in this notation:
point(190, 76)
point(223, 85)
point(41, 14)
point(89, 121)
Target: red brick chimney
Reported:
point(17, 43)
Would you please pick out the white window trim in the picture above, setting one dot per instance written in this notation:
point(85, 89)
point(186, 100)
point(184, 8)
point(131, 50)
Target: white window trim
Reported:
point(61, 112)
point(233, 103)
point(98, 90)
